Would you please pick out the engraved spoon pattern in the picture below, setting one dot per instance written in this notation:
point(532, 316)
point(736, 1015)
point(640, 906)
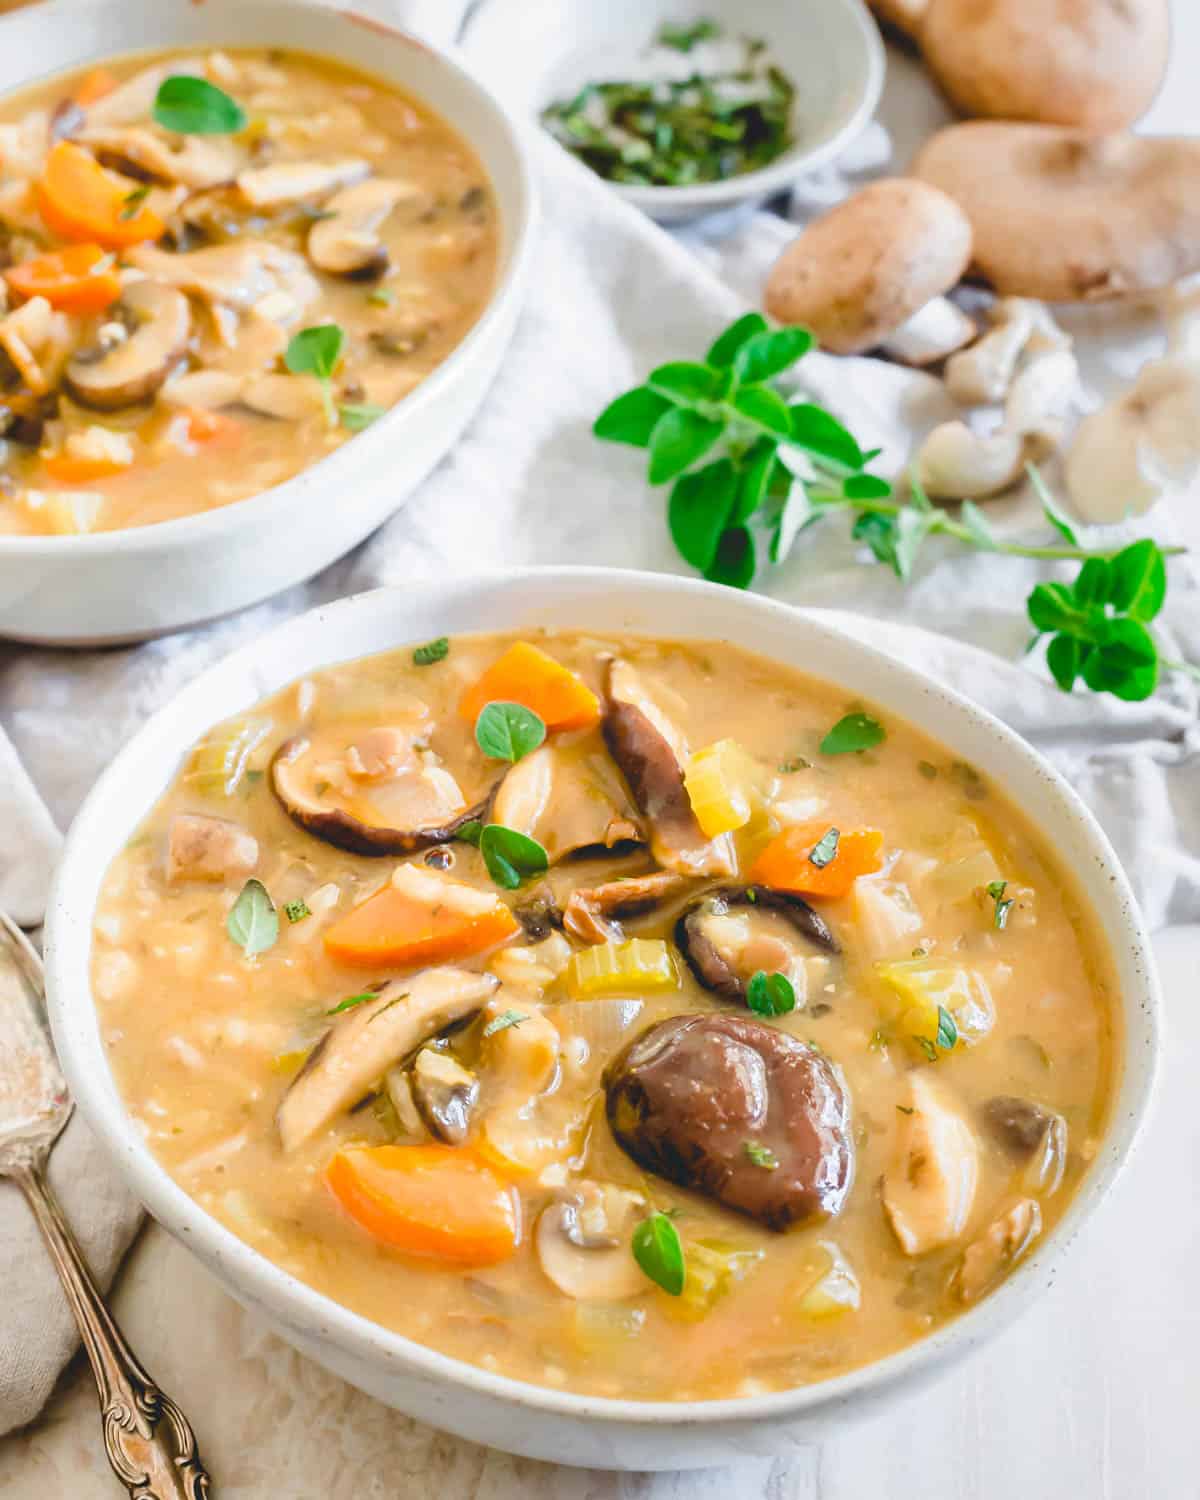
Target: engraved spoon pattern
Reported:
point(149, 1443)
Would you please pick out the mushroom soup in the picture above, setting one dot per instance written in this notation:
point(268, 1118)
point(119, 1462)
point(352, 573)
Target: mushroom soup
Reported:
point(214, 269)
point(629, 1016)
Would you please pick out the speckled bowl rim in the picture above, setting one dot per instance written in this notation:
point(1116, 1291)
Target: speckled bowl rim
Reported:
point(274, 505)
point(532, 600)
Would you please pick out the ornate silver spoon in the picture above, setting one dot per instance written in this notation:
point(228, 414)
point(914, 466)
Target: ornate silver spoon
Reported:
point(147, 1438)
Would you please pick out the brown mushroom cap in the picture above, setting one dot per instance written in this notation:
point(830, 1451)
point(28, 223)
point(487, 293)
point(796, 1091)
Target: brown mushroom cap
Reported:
point(860, 271)
point(1096, 64)
point(111, 376)
point(1066, 217)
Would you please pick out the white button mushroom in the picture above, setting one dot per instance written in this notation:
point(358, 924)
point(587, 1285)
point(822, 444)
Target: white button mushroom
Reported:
point(983, 372)
point(871, 273)
point(583, 1243)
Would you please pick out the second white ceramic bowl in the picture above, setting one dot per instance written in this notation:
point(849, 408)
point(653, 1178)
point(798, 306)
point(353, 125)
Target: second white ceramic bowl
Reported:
point(489, 1408)
point(119, 586)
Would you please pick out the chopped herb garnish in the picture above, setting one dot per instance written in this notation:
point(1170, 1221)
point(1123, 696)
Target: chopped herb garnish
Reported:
point(296, 911)
point(315, 351)
point(797, 763)
point(352, 1000)
point(470, 832)
point(193, 106)
point(667, 132)
point(132, 202)
point(906, 1109)
point(511, 857)
point(253, 922)
point(503, 1022)
point(825, 849)
point(356, 415)
point(751, 895)
point(856, 731)
point(761, 1156)
point(770, 994)
point(431, 652)
point(927, 1047)
point(657, 1249)
point(1002, 906)
point(927, 769)
point(380, 296)
point(947, 1030)
point(920, 953)
point(508, 731)
point(879, 1039)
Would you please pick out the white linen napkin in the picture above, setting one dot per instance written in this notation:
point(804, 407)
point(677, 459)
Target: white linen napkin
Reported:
point(609, 297)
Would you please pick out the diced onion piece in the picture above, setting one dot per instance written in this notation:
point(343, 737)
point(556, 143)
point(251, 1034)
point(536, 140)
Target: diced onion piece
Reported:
point(721, 783)
point(606, 1327)
point(835, 1289)
point(639, 966)
point(959, 879)
point(220, 762)
point(73, 512)
point(926, 986)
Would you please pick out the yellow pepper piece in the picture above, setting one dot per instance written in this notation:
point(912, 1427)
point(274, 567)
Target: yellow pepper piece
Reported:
point(723, 783)
point(834, 1289)
point(639, 966)
point(926, 987)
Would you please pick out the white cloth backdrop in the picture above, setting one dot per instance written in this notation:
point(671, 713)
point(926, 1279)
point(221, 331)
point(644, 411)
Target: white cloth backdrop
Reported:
point(610, 296)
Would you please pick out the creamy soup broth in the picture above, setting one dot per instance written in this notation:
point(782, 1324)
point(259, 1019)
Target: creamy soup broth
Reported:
point(971, 1056)
point(341, 201)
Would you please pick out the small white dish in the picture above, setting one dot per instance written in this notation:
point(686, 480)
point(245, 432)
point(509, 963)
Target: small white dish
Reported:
point(541, 1422)
point(117, 586)
point(534, 52)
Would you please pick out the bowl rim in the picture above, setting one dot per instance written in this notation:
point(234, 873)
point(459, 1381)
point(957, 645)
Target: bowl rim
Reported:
point(262, 510)
point(311, 1314)
point(798, 159)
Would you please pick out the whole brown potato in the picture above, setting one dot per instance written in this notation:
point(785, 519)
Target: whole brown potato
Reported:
point(1095, 64)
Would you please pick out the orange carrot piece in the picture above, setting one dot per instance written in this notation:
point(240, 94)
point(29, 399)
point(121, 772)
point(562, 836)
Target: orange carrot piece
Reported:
point(93, 86)
point(212, 427)
point(440, 1202)
point(80, 200)
point(525, 674)
point(785, 865)
point(391, 930)
point(65, 469)
point(68, 278)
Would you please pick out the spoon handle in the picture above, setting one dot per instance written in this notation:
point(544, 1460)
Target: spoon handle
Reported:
point(149, 1443)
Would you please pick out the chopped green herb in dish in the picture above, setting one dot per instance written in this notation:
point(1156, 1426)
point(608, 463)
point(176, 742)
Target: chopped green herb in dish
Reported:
point(725, 113)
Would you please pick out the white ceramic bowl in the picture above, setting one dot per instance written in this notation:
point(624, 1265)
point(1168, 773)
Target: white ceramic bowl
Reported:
point(127, 585)
point(538, 1422)
point(536, 51)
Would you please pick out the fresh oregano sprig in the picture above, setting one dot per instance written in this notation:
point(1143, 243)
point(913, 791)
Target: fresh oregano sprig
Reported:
point(746, 463)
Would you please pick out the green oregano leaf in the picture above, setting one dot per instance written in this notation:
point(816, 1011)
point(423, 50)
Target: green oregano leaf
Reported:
point(508, 731)
point(825, 849)
point(631, 418)
point(856, 731)
point(680, 438)
point(723, 352)
point(770, 994)
point(253, 922)
point(511, 857)
point(659, 1252)
point(947, 1030)
point(193, 106)
point(432, 652)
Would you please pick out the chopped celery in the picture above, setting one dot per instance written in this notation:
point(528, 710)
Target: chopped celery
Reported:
point(833, 1288)
point(723, 785)
point(713, 1269)
point(606, 1327)
point(927, 986)
point(959, 879)
point(639, 966)
point(219, 762)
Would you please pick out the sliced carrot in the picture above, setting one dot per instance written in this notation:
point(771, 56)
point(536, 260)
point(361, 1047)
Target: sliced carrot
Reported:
point(77, 278)
point(785, 864)
point(525, 674)
point(65, 469)
point(80, 200)
point(212, 427)
point(392, 930)
point(435, 1201)
point(93, 86)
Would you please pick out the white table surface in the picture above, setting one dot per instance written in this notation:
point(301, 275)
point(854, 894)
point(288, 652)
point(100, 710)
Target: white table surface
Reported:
point(1094, 1395)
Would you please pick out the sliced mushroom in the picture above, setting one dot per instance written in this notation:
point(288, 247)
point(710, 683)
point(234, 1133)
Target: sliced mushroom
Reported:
point(998, 1248)
point(203, 848)
point(36, 341)
point(1032, 1135)
point(693, 1096)
point(203, 390)
point(364, 1042)
point(111, 376)
point(194, 161)
point(397, 1084)
point(930, 1185)
point(594, 914)
point(522, 1058)
point(539, 916)
point(298, 181)
point(724, 949)
point(347, 242)
point(433, 802)
point(583, 1243)
point(133, 99)
point(651, 755)
point(568, 799)
point(288, 398)
point(237, 275)
point(445, 1093)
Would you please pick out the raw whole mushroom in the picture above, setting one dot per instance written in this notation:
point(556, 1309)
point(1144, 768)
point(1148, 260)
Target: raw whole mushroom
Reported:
point(982, 373)
point(871, 273)
point(1064, 216)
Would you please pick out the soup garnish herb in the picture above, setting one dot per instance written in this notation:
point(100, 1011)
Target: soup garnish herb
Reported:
point(511, 857)
point(192, 106)
point(947, 1029)
point(657, 1249)
point(316, 351)
point(508, 731)
point(357, 415)
point(824, 849)
point(504, 1021)
point(762, 478)
point(1002, 904)
point(770, 994)
point(854, 732)
point(296, 911)
point(351, 1001)
point(431, 652)
point(253, 922)
point(761, 1156)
